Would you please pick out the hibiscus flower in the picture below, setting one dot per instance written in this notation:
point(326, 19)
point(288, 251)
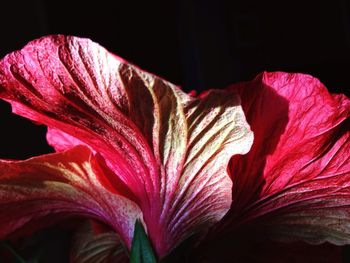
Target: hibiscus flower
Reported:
point(131, 147)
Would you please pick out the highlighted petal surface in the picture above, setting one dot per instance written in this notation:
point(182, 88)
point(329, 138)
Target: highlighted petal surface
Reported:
point(167, 150)
point(61, 141)
point(61, 185)
point(295, 182)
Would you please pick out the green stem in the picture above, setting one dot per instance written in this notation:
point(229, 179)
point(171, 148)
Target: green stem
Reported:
point(13, 252)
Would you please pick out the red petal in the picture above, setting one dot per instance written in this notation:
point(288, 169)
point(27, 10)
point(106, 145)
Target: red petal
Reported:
point(296, 178)
point(57, 185)
point(166, 147)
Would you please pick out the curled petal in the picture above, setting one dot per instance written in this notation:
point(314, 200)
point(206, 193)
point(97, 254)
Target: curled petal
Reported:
point(295, 181)
point(61, 185)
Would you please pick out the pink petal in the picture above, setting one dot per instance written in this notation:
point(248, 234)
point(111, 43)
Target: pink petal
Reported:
point(60, 140)
point(295, 182)
point(168, 149)
point(58, 185)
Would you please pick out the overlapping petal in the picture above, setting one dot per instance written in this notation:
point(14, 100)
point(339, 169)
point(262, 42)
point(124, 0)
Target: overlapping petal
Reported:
point(295, 182)
point(167, 151)
point(60, 185)
point(99, 247)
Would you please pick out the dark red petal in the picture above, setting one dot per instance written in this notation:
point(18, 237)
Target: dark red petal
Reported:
point(252, 251)
point(57, 185)
point(296, 179)
point(168, 150)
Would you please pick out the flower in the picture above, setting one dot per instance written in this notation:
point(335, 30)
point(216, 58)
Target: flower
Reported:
point(130, 146)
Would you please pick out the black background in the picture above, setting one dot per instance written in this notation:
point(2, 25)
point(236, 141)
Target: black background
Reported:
point(196, 44)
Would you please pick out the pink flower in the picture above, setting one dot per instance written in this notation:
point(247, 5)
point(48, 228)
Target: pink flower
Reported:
point(133, 146)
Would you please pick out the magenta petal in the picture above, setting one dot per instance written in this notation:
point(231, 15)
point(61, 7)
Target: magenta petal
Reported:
point(73, 85)
point(295, 182)
point(61, 141)
point(168, 149)
point(63, 184)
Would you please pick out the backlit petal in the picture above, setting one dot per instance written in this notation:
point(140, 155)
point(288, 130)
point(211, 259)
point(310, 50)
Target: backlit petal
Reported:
point(295, 182)
point(168, 149)
point(60, 140)
point(61, 185)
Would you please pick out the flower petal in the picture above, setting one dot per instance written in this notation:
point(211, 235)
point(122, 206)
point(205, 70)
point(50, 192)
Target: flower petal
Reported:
point(296, 178)
point(60, 140)
point(90, 247)
point(169, 149)
point(57, 185)
point(253, 251)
